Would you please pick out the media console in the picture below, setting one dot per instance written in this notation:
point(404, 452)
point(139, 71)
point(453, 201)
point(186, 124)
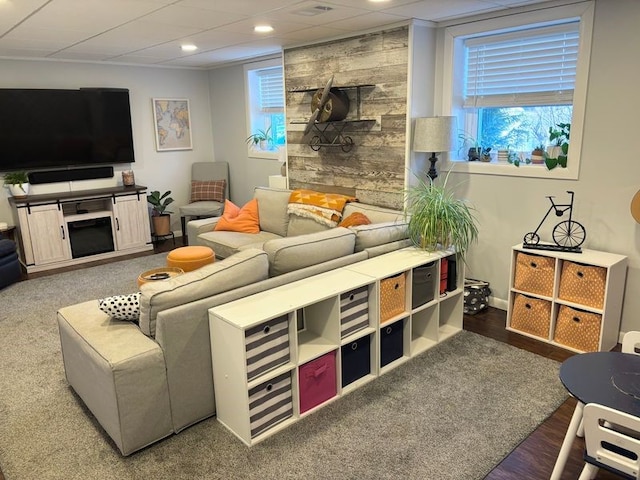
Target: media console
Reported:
point(68, 228)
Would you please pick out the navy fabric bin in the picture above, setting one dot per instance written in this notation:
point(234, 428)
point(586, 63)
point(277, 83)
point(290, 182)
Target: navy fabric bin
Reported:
point(423, 284)
point(391, 345)
point(356, 360)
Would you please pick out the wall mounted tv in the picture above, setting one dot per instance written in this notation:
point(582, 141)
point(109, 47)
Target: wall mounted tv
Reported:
point(42, 128)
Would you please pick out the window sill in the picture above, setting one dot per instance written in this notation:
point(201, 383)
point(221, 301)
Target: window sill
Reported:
point(507, 169)
point(266, 154)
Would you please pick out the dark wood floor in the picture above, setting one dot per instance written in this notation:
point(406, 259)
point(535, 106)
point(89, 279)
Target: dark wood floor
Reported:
point(534, 458)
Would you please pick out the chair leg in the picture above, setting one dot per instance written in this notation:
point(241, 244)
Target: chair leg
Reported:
point(185, 240)
point(588, 472)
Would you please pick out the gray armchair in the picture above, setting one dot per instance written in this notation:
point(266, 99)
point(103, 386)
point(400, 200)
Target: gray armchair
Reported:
point(204, 204)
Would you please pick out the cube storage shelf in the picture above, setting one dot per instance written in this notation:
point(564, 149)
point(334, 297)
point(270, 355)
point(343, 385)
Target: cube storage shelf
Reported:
point(281, 354)
point(571, 300)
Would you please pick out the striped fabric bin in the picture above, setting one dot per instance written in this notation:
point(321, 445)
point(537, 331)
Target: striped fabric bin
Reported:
point(354, 311)
point(270, 403)
point(267, 346)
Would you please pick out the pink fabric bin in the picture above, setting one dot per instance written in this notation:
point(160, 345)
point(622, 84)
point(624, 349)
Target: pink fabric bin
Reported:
point(317, 380)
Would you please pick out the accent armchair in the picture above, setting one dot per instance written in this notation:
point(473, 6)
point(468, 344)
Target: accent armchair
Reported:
point(208, 192)
point(10, 271)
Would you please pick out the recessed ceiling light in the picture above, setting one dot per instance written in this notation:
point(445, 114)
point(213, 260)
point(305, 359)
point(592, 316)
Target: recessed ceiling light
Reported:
point(263, 28)
point(188, 48)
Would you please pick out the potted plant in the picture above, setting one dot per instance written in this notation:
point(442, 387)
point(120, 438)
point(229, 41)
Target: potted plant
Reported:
point(260, 139)
point(559, 149)
point(159, 213)
point(437, 219)
point(18, 183)
point(537, 154)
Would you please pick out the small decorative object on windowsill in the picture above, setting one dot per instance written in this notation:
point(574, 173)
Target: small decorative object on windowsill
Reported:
point(434, 135)
point(537, 155)
point(128, 178)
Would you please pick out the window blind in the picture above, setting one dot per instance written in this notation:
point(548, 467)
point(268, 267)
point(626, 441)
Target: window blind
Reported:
point(523, 68)
point(271, 90)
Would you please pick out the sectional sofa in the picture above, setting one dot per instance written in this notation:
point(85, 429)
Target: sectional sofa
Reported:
point(145, 381)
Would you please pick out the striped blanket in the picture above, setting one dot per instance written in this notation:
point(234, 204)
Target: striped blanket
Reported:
point(324, 208)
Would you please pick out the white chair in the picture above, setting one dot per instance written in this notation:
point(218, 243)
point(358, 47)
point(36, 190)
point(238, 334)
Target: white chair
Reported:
point(613, 450)
point(631, 343)
point(205, 172)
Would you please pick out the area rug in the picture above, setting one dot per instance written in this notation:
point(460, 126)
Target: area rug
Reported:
point(451, 413)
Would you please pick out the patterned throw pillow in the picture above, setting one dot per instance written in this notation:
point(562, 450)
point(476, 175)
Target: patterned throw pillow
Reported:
point(208, 191)
point(122, 307)
point(355, 219)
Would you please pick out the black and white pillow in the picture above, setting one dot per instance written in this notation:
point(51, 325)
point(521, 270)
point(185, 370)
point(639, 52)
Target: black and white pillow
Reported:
point(122, 307)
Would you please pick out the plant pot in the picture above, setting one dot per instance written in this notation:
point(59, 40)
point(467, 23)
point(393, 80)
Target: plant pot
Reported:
point(161, 225)
point(537, 157)
point(554, 151)
point(473, 154)
point(19, 190)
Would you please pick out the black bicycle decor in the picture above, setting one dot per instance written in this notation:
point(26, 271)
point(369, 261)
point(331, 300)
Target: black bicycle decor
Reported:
point(568, 235)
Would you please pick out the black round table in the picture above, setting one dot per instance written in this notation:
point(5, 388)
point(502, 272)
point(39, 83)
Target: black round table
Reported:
point(611, 379)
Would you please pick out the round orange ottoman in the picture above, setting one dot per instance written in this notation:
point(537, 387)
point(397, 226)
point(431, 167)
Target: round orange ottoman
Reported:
point(190, 258)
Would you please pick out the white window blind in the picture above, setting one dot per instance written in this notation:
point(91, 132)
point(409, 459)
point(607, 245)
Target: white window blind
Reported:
point(271, 90)
point(527, 67)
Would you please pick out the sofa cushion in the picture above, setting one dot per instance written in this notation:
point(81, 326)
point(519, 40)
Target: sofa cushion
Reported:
point(301, 226)
point(236, 219)
point(292, 253)
point(245, 267)
point(272, 209)
point(374, 213)
point(225, 244)
point(368, 236)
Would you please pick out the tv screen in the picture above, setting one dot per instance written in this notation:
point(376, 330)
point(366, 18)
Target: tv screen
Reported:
point(60, 128)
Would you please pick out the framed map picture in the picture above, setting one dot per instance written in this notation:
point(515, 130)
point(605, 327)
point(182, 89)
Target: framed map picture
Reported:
point(172, 124)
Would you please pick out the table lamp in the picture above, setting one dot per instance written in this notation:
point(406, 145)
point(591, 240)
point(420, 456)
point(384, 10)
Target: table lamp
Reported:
point(435, 135)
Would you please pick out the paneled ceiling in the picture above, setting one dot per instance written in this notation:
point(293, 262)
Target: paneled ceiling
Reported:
point(151, 32)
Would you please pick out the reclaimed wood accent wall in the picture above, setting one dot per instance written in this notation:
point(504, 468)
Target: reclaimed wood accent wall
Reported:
point(374, 169)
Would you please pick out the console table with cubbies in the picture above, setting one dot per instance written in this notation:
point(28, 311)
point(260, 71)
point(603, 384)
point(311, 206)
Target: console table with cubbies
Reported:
point(571, 300)
point(281, 354)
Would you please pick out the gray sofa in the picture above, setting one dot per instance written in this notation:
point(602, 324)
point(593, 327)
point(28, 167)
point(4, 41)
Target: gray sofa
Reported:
point(145, 381)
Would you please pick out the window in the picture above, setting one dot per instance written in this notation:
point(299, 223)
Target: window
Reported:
point(265, 108)
point(513, 78)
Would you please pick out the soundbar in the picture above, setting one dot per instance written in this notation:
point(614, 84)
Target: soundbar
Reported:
point(53, 176)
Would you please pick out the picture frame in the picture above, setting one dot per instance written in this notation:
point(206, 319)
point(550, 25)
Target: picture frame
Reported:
point(172, 124)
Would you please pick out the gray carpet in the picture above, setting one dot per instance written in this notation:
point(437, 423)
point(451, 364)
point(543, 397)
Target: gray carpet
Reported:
point(452, 413)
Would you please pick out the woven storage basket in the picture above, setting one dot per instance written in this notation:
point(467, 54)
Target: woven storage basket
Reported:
point(531, 315)
point(535, 274)
point(578, 329)
point(583, 284)
point(392, 296)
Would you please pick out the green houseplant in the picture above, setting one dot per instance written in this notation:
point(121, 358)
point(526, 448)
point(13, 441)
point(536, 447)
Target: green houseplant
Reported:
point(559, 149)
point(18, 183)
point(261, 138)
point(438, 219)
point(159, 213)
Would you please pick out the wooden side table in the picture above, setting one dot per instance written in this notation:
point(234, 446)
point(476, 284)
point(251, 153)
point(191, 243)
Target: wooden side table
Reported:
point(9, 232)
point(156, 274)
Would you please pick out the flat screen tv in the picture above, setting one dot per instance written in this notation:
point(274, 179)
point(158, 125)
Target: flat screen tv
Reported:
point(45, 128)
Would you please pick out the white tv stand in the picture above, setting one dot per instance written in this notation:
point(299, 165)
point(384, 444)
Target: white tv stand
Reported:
point(68, 228)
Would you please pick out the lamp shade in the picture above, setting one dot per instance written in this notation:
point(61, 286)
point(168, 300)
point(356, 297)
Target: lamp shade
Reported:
point(434, 134)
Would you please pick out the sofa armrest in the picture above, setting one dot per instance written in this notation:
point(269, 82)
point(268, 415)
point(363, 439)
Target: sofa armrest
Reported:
point(196, 227)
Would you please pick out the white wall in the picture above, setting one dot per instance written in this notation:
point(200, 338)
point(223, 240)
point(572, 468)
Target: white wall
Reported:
point(156, 170)
point(508, 207)
point(228, 111)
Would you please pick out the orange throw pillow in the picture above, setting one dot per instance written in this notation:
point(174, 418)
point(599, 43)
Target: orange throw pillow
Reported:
point(355, 219)
point(243, 220)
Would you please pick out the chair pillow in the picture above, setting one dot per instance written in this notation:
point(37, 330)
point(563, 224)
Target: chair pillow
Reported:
point(122, 307)
point(208, 190)
point(244, 220)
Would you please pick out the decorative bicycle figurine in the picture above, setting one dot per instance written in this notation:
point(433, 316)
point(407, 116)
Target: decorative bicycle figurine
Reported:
point(567, 234)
